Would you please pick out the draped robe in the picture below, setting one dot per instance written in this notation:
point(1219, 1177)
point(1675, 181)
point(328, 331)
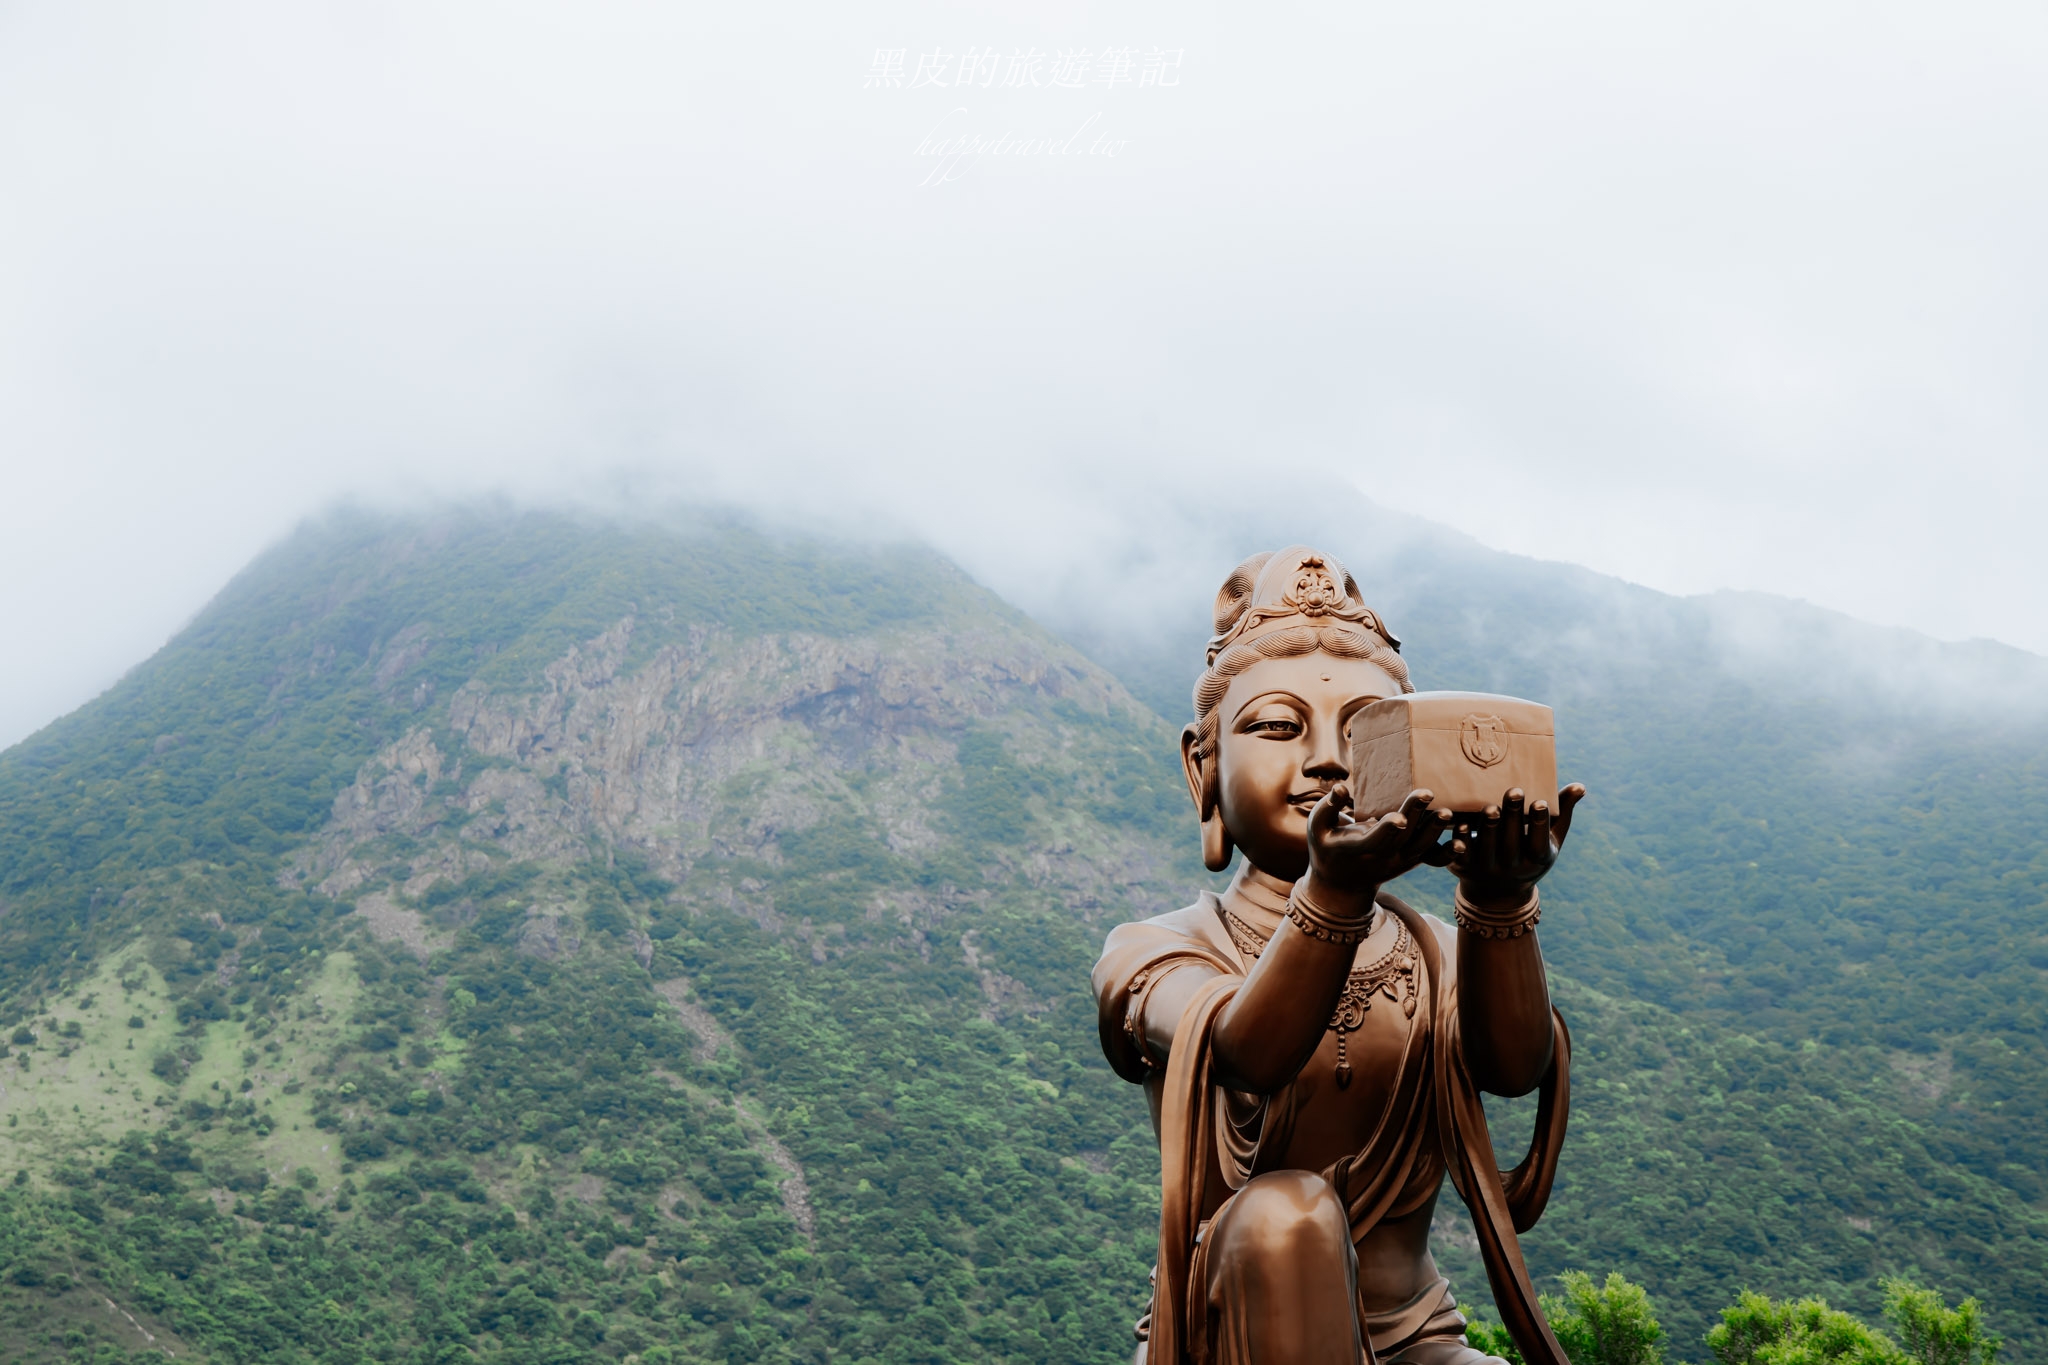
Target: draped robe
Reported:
point(1213, 1141)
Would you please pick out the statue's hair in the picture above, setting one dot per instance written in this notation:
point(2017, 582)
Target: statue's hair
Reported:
point(1341, 638)
point(1236, 594)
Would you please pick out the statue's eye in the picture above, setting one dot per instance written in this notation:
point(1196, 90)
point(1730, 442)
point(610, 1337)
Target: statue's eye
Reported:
point(1283, 728)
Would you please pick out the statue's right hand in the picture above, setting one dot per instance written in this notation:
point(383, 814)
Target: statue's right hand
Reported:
point(1349, 860)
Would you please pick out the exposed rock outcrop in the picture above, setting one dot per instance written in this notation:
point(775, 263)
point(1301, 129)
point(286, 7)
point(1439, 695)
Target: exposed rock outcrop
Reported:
point(710, 747)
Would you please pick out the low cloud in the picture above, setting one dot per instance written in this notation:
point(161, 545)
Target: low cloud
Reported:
point(1736, 301)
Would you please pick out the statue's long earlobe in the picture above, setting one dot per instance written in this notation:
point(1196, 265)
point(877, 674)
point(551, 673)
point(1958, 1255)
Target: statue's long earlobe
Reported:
point(1201, 775)
point(1216, 848)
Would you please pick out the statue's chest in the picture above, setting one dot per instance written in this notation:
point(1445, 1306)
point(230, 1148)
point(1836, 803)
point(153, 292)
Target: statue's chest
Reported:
point(1344, 1090)
point(1346, 1086)
point(1384, 982)
point(1382, 991)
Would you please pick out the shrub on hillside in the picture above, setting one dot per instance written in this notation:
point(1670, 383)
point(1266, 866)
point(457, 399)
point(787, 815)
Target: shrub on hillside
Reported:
point(1615, 1324)
point(1609, 1324)
point(1612, 1324)
point(1756, 1330)
point(1932, 1332)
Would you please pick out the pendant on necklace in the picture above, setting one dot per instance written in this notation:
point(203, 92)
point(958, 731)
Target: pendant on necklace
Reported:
point(1391, 975)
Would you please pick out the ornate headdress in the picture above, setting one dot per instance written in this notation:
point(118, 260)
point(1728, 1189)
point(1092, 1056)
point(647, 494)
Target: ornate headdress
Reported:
point(1279, 606)
point(1297, 581)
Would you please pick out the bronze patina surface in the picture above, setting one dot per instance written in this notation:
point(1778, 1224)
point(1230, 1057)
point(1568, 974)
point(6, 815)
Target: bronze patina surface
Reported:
point(1313, 1049)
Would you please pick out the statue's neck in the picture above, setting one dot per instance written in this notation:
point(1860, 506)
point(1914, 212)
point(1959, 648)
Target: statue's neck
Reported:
point(1258, 896)
point(1261, 899)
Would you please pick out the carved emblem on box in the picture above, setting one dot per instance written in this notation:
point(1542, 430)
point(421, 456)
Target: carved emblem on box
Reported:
point(1485, 739)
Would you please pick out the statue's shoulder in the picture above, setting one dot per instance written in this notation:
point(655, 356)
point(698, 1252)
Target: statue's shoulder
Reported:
point(1201, 918)
point(1135, 953)
point(1193, 931)
point(1197, 924)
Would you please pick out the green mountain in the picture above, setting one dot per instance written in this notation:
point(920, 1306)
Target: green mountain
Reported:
point(513, 937)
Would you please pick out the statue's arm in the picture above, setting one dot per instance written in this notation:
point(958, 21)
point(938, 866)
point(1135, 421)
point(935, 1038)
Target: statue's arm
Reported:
point(1503, 995)
point(1273, 1025)
point(1504, 1012)
point(1270, 1029)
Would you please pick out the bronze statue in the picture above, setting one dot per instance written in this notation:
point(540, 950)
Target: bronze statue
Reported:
point(1311, 1047)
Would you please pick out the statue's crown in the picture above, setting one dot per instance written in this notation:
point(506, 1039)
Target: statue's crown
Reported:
point(1286, 587)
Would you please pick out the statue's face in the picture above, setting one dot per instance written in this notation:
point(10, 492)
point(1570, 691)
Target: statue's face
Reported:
point(1284, 740)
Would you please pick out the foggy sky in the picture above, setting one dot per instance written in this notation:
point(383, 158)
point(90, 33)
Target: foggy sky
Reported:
point(1732, 296)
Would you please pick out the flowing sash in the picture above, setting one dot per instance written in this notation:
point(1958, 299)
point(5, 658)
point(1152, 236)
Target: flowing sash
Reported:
point(1500, 1208)
point(1187, 1158)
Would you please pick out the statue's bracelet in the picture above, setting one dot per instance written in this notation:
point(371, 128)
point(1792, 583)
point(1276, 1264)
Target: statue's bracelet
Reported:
point(1138, 992)
point(1319, 923)
point(1497, 923)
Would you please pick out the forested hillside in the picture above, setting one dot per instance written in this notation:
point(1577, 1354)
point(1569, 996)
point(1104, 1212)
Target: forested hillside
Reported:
point(516, 938)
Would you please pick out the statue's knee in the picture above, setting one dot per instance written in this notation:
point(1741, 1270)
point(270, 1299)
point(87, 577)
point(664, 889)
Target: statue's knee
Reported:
point(1290, 1213)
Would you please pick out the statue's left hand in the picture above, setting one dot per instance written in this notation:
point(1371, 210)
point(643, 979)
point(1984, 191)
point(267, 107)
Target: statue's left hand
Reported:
point(1499, 858)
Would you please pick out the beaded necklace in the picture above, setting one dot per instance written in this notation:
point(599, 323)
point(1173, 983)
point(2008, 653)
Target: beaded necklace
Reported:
point(1391, 974)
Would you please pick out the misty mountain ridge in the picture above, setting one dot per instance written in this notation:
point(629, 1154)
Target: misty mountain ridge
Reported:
point(544, 937)
point(1586, 631)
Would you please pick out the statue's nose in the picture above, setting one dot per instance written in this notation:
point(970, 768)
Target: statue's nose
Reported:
point(1326, 754)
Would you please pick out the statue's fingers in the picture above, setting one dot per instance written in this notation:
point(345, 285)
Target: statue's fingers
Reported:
point(1567, 801)
point(1440, 854)
point(1387, 833)
point(1470, 835)
point(1536, 847)
point(1323, 818)
point(1425, 832)
point(1487, 845)
point(1352, 835)
point(1407, 828)
point(1512, 822)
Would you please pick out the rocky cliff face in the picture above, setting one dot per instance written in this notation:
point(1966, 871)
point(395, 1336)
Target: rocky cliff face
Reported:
point(707, 752)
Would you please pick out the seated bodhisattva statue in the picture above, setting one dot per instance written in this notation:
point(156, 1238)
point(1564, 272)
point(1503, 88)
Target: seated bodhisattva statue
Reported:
point(1312, 1048)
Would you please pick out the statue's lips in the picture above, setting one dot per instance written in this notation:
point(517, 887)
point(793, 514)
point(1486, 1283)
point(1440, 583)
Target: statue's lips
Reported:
point(1306, 801)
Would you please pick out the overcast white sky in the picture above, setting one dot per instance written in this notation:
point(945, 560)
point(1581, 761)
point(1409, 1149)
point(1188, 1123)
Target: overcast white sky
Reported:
point(1730, 295)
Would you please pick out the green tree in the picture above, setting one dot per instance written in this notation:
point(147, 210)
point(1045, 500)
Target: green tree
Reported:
point(1934, 1333)
point(1756, 1330)
point(1609, 1324)
point(1493, 1339)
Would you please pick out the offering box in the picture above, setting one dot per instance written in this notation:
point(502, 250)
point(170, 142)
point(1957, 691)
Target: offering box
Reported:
point(1468, 748)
